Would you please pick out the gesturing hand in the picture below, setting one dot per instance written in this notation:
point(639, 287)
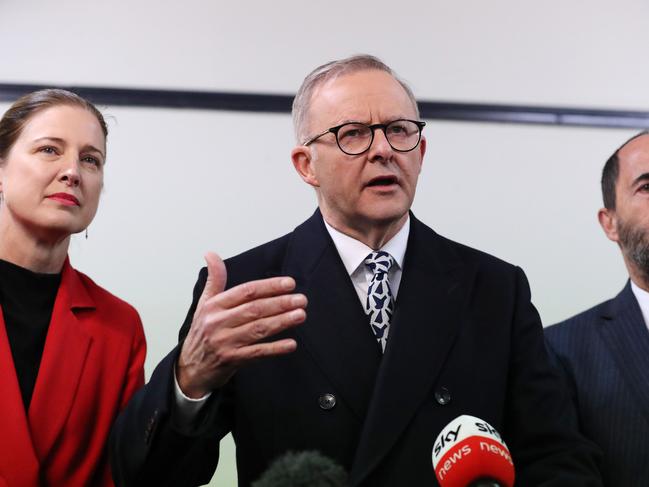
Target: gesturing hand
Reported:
point(228, 325)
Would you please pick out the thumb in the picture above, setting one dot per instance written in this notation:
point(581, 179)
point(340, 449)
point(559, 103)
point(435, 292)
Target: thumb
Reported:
point(216, 275)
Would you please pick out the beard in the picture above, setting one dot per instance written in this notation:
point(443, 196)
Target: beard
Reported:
point(634, 242)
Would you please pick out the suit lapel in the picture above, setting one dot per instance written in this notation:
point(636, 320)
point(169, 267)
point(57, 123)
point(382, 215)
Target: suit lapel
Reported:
point(434, 286)
point(337, 332)
point(17, 455)
point(624, 332)
point(64, 355)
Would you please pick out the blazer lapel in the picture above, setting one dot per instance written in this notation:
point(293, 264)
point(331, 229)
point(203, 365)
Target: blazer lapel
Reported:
point(18, 460)
point(333, 333)
point(625, 333)
point(426, 321)
point(66, 349)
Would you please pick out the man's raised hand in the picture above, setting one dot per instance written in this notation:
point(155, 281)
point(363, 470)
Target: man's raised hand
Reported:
point(228, 327)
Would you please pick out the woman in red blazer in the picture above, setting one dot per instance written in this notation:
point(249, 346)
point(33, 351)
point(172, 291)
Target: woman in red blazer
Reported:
point(71, 353)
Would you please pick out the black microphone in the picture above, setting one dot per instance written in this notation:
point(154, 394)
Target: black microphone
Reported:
point(303, 469)
point(471, 453)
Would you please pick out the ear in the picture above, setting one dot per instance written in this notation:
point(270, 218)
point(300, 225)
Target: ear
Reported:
point(303, 159)
point(422, 151)
point(608, 220)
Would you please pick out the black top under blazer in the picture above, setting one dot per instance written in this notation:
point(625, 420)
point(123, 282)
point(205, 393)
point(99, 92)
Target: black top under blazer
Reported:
point(604, 355)
point(464, 339)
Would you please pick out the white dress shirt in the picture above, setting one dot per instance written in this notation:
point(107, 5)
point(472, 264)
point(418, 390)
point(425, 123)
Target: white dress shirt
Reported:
point(353, 253)
point(643, 300)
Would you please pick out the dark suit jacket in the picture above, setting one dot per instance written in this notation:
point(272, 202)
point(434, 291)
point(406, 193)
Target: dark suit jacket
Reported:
point(604, 354)
point(464, 339)
point(92, 364)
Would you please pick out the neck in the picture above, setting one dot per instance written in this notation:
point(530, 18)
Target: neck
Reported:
point(373, 235)
point(639, 277)
point(24, 248)
point(640, 280)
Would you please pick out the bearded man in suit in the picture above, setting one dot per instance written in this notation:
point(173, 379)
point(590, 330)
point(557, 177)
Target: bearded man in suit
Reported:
point(604, 351)
point(403, 332)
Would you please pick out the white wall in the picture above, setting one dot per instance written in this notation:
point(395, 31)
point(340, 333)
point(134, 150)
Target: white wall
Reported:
point(181, 182)
point(577, 52)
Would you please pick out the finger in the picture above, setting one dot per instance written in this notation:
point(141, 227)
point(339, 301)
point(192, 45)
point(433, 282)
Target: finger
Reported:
point(254, 352)
point(249, 291)
point(256, 331)
point(252, 311)
point(216, 276)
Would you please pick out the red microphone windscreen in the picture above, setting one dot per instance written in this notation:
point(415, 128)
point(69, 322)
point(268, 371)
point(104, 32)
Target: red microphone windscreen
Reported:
point(469, 449)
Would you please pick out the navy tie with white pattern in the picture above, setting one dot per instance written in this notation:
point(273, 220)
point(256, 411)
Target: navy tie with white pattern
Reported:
point(379, 304)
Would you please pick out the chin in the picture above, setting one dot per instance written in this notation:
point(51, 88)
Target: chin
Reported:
point(61, 229)
point(385, 218)
point(387, 211)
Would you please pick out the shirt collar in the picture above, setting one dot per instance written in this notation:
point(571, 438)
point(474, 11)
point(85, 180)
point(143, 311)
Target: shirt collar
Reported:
point(353, 252)
point(642, 297)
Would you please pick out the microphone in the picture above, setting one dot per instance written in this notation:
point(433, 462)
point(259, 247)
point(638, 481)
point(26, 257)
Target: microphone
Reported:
point(469, 452)
point(303, 469)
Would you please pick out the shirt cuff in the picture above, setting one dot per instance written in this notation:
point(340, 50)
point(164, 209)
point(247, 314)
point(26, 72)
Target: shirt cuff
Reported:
point(187, 409)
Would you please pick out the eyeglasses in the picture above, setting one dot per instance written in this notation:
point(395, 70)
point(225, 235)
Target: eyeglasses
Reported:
point(354, 138)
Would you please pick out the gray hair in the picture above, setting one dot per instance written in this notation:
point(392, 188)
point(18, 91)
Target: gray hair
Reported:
point(332, 70)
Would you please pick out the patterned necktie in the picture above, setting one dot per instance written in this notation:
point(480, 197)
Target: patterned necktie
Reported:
point(379, 304)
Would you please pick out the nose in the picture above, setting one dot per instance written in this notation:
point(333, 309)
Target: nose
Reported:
point(380, 150)
point(70, 174)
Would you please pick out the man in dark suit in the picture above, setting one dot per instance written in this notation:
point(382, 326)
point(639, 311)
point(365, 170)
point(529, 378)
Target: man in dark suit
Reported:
point(405, 330)
point(604, 351)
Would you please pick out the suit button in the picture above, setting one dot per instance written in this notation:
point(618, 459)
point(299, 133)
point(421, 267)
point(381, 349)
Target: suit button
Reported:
point(327, 401)
point(443, 396)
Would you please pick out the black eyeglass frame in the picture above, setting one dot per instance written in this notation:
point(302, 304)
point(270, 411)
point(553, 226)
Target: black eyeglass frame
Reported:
point(383, 126)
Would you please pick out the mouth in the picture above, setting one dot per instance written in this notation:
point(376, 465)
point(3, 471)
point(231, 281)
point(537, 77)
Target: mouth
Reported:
point(386, 181)
point(65, 199)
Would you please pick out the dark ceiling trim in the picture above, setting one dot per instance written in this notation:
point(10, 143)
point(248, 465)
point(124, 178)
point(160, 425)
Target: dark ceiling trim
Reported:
point(275, 103)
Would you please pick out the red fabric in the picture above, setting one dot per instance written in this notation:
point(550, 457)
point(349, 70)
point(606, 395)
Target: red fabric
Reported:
point(476, 457)
point(91, 365)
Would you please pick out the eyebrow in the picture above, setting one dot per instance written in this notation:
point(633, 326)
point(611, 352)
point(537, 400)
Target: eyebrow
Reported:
point(86, 147)
point(384, 121)
point(641, 178)
point(349, 120)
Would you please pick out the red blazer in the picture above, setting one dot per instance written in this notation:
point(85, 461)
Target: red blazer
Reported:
point(91, 366)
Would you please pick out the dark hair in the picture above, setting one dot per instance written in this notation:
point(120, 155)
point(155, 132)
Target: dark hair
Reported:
point(14, 119)
point(611, 171)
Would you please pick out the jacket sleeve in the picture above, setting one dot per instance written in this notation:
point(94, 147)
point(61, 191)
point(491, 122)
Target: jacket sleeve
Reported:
point(540, 428)
point(148, 447)
point(135, 373)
